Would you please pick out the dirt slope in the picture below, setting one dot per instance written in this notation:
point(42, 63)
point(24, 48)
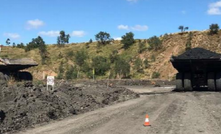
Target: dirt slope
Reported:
point(173, 44)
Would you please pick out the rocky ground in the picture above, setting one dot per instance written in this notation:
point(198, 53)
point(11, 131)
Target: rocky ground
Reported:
point(169, 113)
point(25, 105)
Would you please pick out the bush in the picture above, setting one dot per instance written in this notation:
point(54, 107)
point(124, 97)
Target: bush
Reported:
point(71, 73)
point(153, 59)
point(90, 41)
point(146, 63)
point(101, 65)
point(127, 40)
point(70, 54)
point(103, 38)
point(155, 75)
point(188, 44)
point(113, 56)
point(80, 57)
point(122, 67)
point(138, 65)
point(214, 28)
point(61, 71)
point(142, 47)
point(154, 43)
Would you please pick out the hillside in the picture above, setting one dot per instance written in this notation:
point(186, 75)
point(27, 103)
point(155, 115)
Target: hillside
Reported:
point(172, 44)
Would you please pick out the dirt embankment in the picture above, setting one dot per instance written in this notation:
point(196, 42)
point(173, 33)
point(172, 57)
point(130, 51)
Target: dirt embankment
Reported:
point(23, 106)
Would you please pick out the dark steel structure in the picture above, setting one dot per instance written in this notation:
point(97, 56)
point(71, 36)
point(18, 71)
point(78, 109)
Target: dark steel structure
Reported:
point(197, 68)
point(12, 68)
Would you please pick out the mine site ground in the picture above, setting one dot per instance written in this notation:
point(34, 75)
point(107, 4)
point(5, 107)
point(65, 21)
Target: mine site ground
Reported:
point(169, 113)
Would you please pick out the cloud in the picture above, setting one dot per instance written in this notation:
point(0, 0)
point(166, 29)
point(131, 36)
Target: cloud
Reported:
point(132, 0)
point(49, 33)
point(123, 27)
point(12, 35)
point(117, 38)
point(215, 8)
point(34, 24)
point(78, 33)
point(140, 28)
point(134, 28)
point(183, 12)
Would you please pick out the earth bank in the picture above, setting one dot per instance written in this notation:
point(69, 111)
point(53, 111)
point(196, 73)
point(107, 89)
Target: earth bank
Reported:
point(24, 105)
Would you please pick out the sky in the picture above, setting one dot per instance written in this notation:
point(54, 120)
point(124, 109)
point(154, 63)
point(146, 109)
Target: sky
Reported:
point(22, 20)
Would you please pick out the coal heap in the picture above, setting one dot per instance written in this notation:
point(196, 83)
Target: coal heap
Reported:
point(198, 53)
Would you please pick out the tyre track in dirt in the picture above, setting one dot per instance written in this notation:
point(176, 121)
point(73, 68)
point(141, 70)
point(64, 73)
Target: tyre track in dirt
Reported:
point(170, 113)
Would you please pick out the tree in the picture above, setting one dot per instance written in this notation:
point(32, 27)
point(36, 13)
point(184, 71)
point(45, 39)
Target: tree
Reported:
point(103, 38)
point(142, 47)
point(127, 40)
point(71, 73)
point(154, 43)
point(183, 29)
point(214, 28)
point(100, 64)
point(21, 45)
point(138, 65)
point(13, 44)
point(60, 71)
point(63, 38)
point(122, 67)
point(186, 28)
point(42, 49)
point(8, 42)
point(90, 41)
point(40, 44)
point(113, 56)
point(80, 57)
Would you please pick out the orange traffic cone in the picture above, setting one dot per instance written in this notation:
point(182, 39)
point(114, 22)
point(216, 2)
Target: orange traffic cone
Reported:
point(147, 123)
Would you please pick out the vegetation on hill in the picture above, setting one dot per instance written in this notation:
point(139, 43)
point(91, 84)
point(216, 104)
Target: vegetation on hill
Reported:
point(106, 58)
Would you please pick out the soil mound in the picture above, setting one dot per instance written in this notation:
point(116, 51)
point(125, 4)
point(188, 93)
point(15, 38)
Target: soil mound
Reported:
point(23, 106)
point(198, 53)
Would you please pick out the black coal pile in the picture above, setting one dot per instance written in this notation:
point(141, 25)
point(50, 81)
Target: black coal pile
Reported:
point(23, 106)
point(198, 53)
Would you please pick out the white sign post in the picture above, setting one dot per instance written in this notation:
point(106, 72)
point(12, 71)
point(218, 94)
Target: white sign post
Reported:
point(50, 81)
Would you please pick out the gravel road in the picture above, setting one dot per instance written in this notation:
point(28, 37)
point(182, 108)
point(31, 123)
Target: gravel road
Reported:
point(169, 113)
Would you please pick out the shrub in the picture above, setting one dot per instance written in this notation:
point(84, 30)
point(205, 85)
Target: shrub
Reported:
point(80, 57)
point(138, 65)
point(153, 59)
point(154, 43)
point(100, 64)
point(214, 28)
point(71, 73)
point(142, 47)
point(146, 63)
point(127, 40)
point(61, 71)
point(122, 67)
point(70, 54)
point(103, 38)
point(155, 75)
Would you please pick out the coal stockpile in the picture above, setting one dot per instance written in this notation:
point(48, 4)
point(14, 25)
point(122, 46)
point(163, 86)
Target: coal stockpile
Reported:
point(198, 53)
point(23, 106)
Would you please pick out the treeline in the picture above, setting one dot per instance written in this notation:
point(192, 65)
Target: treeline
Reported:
point(115, 65)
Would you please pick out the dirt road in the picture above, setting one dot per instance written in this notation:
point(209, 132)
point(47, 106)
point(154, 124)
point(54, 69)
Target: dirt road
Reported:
point(169, 113)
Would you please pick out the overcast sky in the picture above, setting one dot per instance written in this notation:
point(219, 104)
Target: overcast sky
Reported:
point(22, 20)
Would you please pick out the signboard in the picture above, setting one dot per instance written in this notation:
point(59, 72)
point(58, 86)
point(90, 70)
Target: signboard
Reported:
point(50, 81)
